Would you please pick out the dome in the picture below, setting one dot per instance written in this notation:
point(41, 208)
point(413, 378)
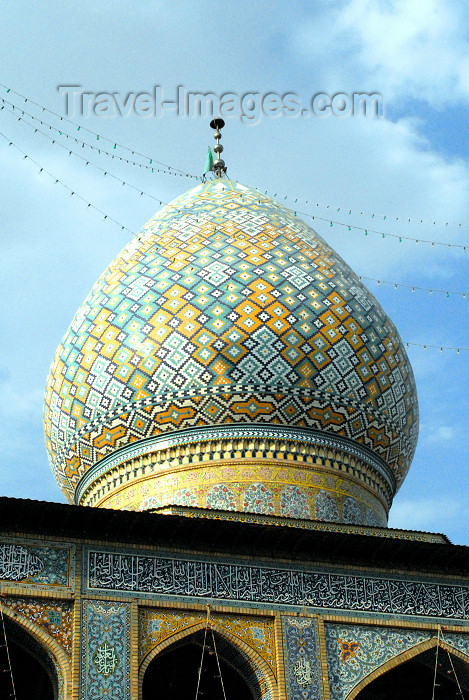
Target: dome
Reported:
point(229, 359)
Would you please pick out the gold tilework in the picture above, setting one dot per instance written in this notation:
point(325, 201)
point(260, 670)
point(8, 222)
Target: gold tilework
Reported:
point(270, 489)
point(155, 626)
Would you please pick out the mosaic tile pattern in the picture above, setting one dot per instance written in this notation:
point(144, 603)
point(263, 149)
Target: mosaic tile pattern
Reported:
point(354, 651)
point(227, 309)
point(458, 641)
point(256, 488)
point(294, 502)
point(156, 625)
point(105, 650)
point(302, 665)
point(325, 506)
point(52, 616)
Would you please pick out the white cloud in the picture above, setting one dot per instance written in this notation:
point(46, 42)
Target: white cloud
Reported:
point(415, 48)
point(444, 432)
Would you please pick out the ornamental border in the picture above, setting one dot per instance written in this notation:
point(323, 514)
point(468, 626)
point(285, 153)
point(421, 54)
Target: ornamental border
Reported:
point(233, 389)
point(233, 431)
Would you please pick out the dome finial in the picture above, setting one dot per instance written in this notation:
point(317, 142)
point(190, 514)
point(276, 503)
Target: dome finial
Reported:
point(219, 166)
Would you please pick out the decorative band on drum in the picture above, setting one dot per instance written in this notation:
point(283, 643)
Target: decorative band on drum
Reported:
point(233, 431)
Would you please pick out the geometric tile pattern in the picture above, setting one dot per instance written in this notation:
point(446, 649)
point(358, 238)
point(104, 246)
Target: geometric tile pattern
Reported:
point(302, 665)
point(105, 650)
point(354, 651)
point(227, 308)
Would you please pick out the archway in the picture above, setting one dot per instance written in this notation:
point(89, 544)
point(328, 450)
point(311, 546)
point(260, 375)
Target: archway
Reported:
point(413, 679)
point(174, 671)
point(33, 669)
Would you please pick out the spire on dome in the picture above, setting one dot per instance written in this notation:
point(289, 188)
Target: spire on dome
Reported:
point(219, 166)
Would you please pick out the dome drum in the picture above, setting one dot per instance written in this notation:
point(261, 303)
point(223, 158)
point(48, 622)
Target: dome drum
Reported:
point(223, 468)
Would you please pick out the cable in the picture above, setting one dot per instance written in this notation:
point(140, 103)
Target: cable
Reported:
point(452, 666)
point(385, 217)
point(200, 667)
point(8, 653)
point(182, 172)
point(455, 674)
point(413, 287)
point(101, 151)
point(436, 663)
point(93, 133)
point(72, 192)
point(156, 199)
point(401, 237)
point(170, 170)
point(218, 664)
point(436, 347)
point(125, 228)
point(383, 234)
point(98, 167)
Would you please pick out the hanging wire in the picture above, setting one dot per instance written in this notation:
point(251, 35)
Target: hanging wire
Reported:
point(107, 217)
point(167, 170)
point(182, 172)
point(201, 664)
point(426, 346)
point(218, 664)
point(8, 654)
point(413, 287)
point(209, 626)
point(116, 145)
point(396, 285)
point(454, 670)
point(455, 674)
point(436, 663)
point(372, 215)
point(89, 131)
point(72, 192)
point(401, 237)
point(98, 167)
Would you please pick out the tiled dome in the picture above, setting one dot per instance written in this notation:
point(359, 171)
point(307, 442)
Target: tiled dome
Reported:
point(228, 358)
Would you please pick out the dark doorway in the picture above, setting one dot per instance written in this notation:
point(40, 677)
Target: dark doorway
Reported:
point(174, 673)
point(33, 670)
point(413, 680)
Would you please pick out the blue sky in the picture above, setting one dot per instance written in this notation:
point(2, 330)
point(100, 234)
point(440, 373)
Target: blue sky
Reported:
point(410, 164)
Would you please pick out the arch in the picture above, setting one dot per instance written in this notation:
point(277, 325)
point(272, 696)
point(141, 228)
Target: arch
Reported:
point(259, 666)
point(48, 645)
point(400, 659)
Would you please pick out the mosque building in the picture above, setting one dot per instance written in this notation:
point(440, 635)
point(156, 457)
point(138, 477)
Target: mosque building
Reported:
point(229, 415)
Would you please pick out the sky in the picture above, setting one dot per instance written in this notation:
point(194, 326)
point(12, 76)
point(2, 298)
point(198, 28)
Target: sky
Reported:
point(403, 173)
